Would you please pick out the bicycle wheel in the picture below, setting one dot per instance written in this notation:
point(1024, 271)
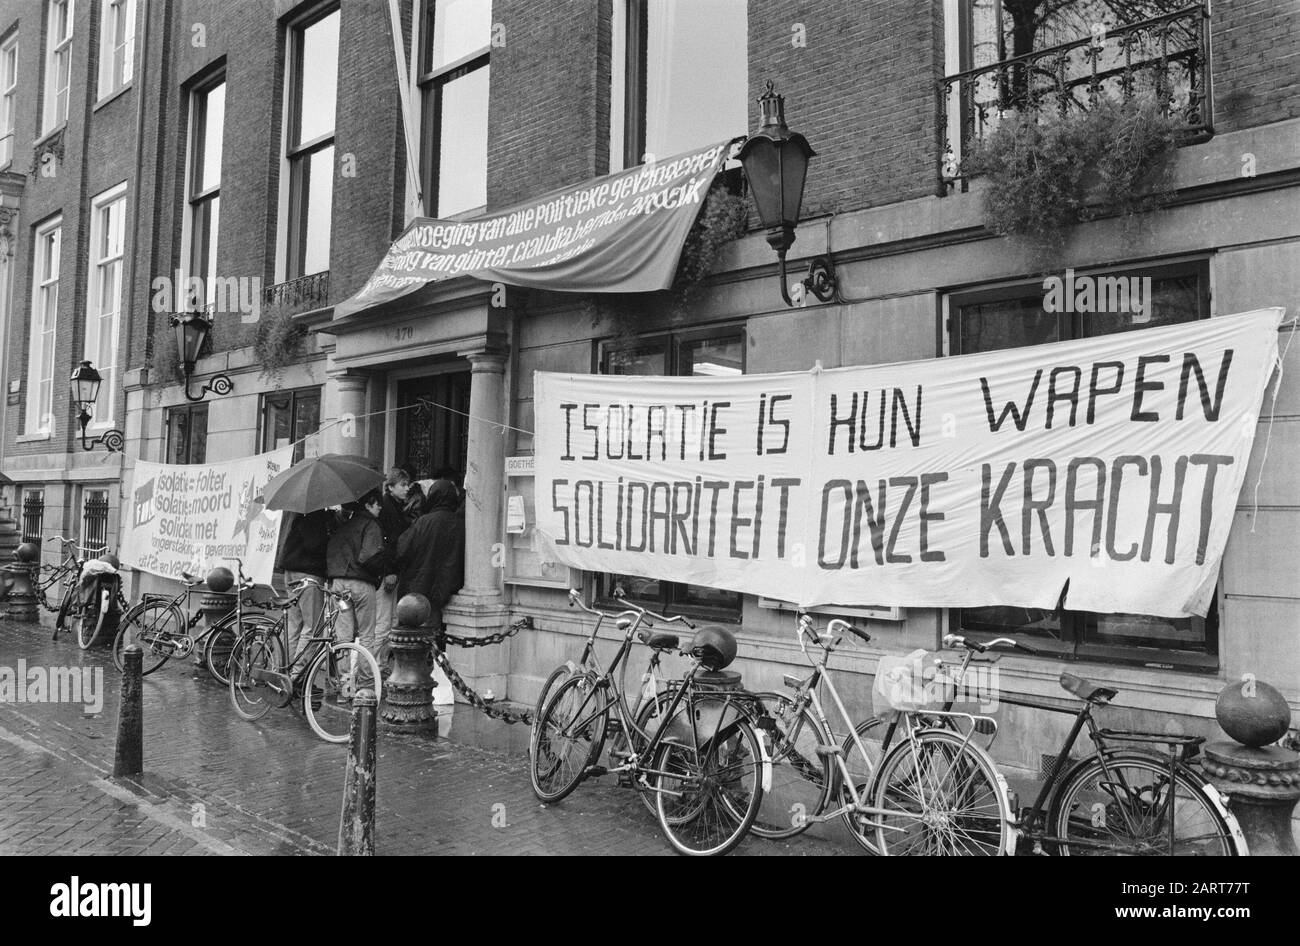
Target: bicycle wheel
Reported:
point(708, 796)
point(251, 694)
point(567, 738)
point(153, 625)
point(648, 720)
point(862, 773)
point(944, 796)
point(88, 620)
point(327, 700)
point(1126, 809)
point(219, 643)
point(65, 611)
point(801, 779)
point(558, 676)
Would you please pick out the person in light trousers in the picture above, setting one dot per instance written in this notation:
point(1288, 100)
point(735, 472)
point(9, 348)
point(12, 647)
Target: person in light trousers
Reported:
point(393, 521)
point(355, 560)
point(303, 556)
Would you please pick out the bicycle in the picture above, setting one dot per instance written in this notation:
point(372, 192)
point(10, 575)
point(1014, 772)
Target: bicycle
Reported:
point(933, 792)
point(706, 764)
point(163, 629)
point(1121, 800)
point(67, 572)
point(262, 676)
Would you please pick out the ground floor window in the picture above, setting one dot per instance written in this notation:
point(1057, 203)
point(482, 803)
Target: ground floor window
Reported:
point(187, 434)
point(1024, 314)
point(34, 515)
point(718, 352)
point(94, 520)
point(289, 416)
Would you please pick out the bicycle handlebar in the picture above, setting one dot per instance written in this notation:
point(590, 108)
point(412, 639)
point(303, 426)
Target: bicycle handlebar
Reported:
point(956, 641)
point(663, 618)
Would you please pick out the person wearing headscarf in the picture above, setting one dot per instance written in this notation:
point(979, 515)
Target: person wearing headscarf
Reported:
point(431, 554)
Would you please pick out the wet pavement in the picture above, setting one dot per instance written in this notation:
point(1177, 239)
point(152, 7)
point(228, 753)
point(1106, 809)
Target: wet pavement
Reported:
point(215, 784)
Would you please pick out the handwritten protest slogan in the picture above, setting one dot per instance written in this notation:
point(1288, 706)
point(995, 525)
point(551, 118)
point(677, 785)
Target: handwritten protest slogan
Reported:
point(1106, 469)
point(619, 233)
point(191, 518)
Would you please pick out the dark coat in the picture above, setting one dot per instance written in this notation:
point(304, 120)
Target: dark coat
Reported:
point(304, 547)
point(356, 550)
point(431, 554)
point(394, 521)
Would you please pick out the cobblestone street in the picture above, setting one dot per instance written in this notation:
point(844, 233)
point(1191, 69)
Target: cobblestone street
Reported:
point(214, 784)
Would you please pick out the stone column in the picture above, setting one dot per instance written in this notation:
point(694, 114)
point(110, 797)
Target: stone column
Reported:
point(349, 434)
point(479, 609)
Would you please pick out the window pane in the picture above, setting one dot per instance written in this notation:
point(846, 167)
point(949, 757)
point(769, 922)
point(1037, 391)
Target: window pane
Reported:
point(318, 194)
point(275, 422)
point(1013, 323)
point(697, 73)
point(713, 358)
point(651, 360)
point(214, 120)
point(460, 27)
point(1145, 630)
point(198, 435)
point(462, 148)
point(319, 71)
point(1172, 299)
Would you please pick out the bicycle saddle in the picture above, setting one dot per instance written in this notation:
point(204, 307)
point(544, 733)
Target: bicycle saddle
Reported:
point(189, 579)
point(657, 640)
point(1087, 690)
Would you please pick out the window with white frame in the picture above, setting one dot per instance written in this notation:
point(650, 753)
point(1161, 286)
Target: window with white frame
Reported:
point(203, 189)
point(116, 45)
point(58, 63)
point(45, 311)
point(8, 97)
point(680, 77)
point(313, 50)
point(455, 71)
point(104, 305)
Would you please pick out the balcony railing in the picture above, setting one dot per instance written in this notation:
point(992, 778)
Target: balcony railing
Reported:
point(299, 295)
point(1166, 56)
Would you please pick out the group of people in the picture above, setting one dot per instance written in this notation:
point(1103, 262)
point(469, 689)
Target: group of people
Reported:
point(393, 541)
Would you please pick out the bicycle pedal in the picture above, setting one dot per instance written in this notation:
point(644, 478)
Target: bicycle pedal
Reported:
point(594, 771)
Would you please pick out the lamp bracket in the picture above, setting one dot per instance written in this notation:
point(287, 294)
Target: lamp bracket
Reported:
point(220, 385)
point(113, 440)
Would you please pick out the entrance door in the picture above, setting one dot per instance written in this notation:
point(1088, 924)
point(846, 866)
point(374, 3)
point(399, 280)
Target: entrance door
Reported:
point(432, 438)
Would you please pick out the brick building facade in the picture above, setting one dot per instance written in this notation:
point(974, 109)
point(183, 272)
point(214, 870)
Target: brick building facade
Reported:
point(508, 104)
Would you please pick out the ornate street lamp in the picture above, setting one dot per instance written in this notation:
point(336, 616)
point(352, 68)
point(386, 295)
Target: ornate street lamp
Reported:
point(191, 330)
point(776, 163)
point(85, 384)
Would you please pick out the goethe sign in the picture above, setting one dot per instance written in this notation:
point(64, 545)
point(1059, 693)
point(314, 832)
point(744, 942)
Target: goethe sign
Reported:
point(1104, 470)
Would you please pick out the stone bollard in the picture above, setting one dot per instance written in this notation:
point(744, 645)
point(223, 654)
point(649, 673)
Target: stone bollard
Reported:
point(408, 693)
point(21, 601)
point(128, 754)
point(1262, 781)
point(357, 822)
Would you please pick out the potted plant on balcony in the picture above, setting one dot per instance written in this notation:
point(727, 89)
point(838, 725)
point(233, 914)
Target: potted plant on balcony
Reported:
point(277, 340)
point(1047, 172)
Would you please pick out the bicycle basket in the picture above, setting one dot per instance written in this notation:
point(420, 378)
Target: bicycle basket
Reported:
point(910, 684)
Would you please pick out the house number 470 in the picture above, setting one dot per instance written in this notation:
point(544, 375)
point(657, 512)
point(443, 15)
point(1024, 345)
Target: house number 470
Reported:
point(403, 333)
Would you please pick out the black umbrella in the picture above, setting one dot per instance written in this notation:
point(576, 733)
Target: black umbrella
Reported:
point(320, 482)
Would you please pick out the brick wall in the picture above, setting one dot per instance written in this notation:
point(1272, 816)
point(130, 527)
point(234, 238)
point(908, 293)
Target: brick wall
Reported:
point(1256, 50)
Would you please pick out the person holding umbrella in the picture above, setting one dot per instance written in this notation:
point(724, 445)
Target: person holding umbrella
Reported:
point(303, 556)
point(355, 561)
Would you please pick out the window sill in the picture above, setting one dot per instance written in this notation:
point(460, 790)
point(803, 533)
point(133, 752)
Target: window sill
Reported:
point(50, 134)
point(32, 438)
point(116, 93)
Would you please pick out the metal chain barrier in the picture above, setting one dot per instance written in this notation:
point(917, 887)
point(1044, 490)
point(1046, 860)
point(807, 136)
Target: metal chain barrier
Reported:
point(464, 689)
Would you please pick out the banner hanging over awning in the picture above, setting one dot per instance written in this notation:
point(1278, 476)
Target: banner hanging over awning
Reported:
point(192, 517)
point(1106, 469)
point(619, 233)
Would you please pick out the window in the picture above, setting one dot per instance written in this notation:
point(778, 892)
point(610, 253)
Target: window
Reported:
point(1059, 57)
point(58, 63)
point(309, 143)
point(187, 434)
point(34, 516)
point(288, 417)
point(203, 193)
point(1011, 317)
point(454, 73)
point(8, 103)
point(680, 74)
point(104, 306)
point(94, 520)
point(45, 313)
point(714, 353)
point(116, 45)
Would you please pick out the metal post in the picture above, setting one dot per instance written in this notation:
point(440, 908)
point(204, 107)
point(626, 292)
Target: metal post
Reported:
point(357, 821)
point(128, 755)
point(408, 693)
point(20, 598)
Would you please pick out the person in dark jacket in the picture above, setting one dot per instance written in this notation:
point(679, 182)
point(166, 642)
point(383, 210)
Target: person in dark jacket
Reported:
point(431, 554)
point(393, 520)
point(303, 556)
point(356, 561)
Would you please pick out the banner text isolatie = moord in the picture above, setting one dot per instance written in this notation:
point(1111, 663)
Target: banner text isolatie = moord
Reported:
point(1107, 468)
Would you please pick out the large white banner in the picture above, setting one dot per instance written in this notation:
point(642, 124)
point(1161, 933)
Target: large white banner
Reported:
point(1107, 469)
point(193, 517)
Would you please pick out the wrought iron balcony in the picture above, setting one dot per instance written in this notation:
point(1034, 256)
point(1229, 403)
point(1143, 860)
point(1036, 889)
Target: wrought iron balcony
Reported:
point(1166, 56)
point(299, 295)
